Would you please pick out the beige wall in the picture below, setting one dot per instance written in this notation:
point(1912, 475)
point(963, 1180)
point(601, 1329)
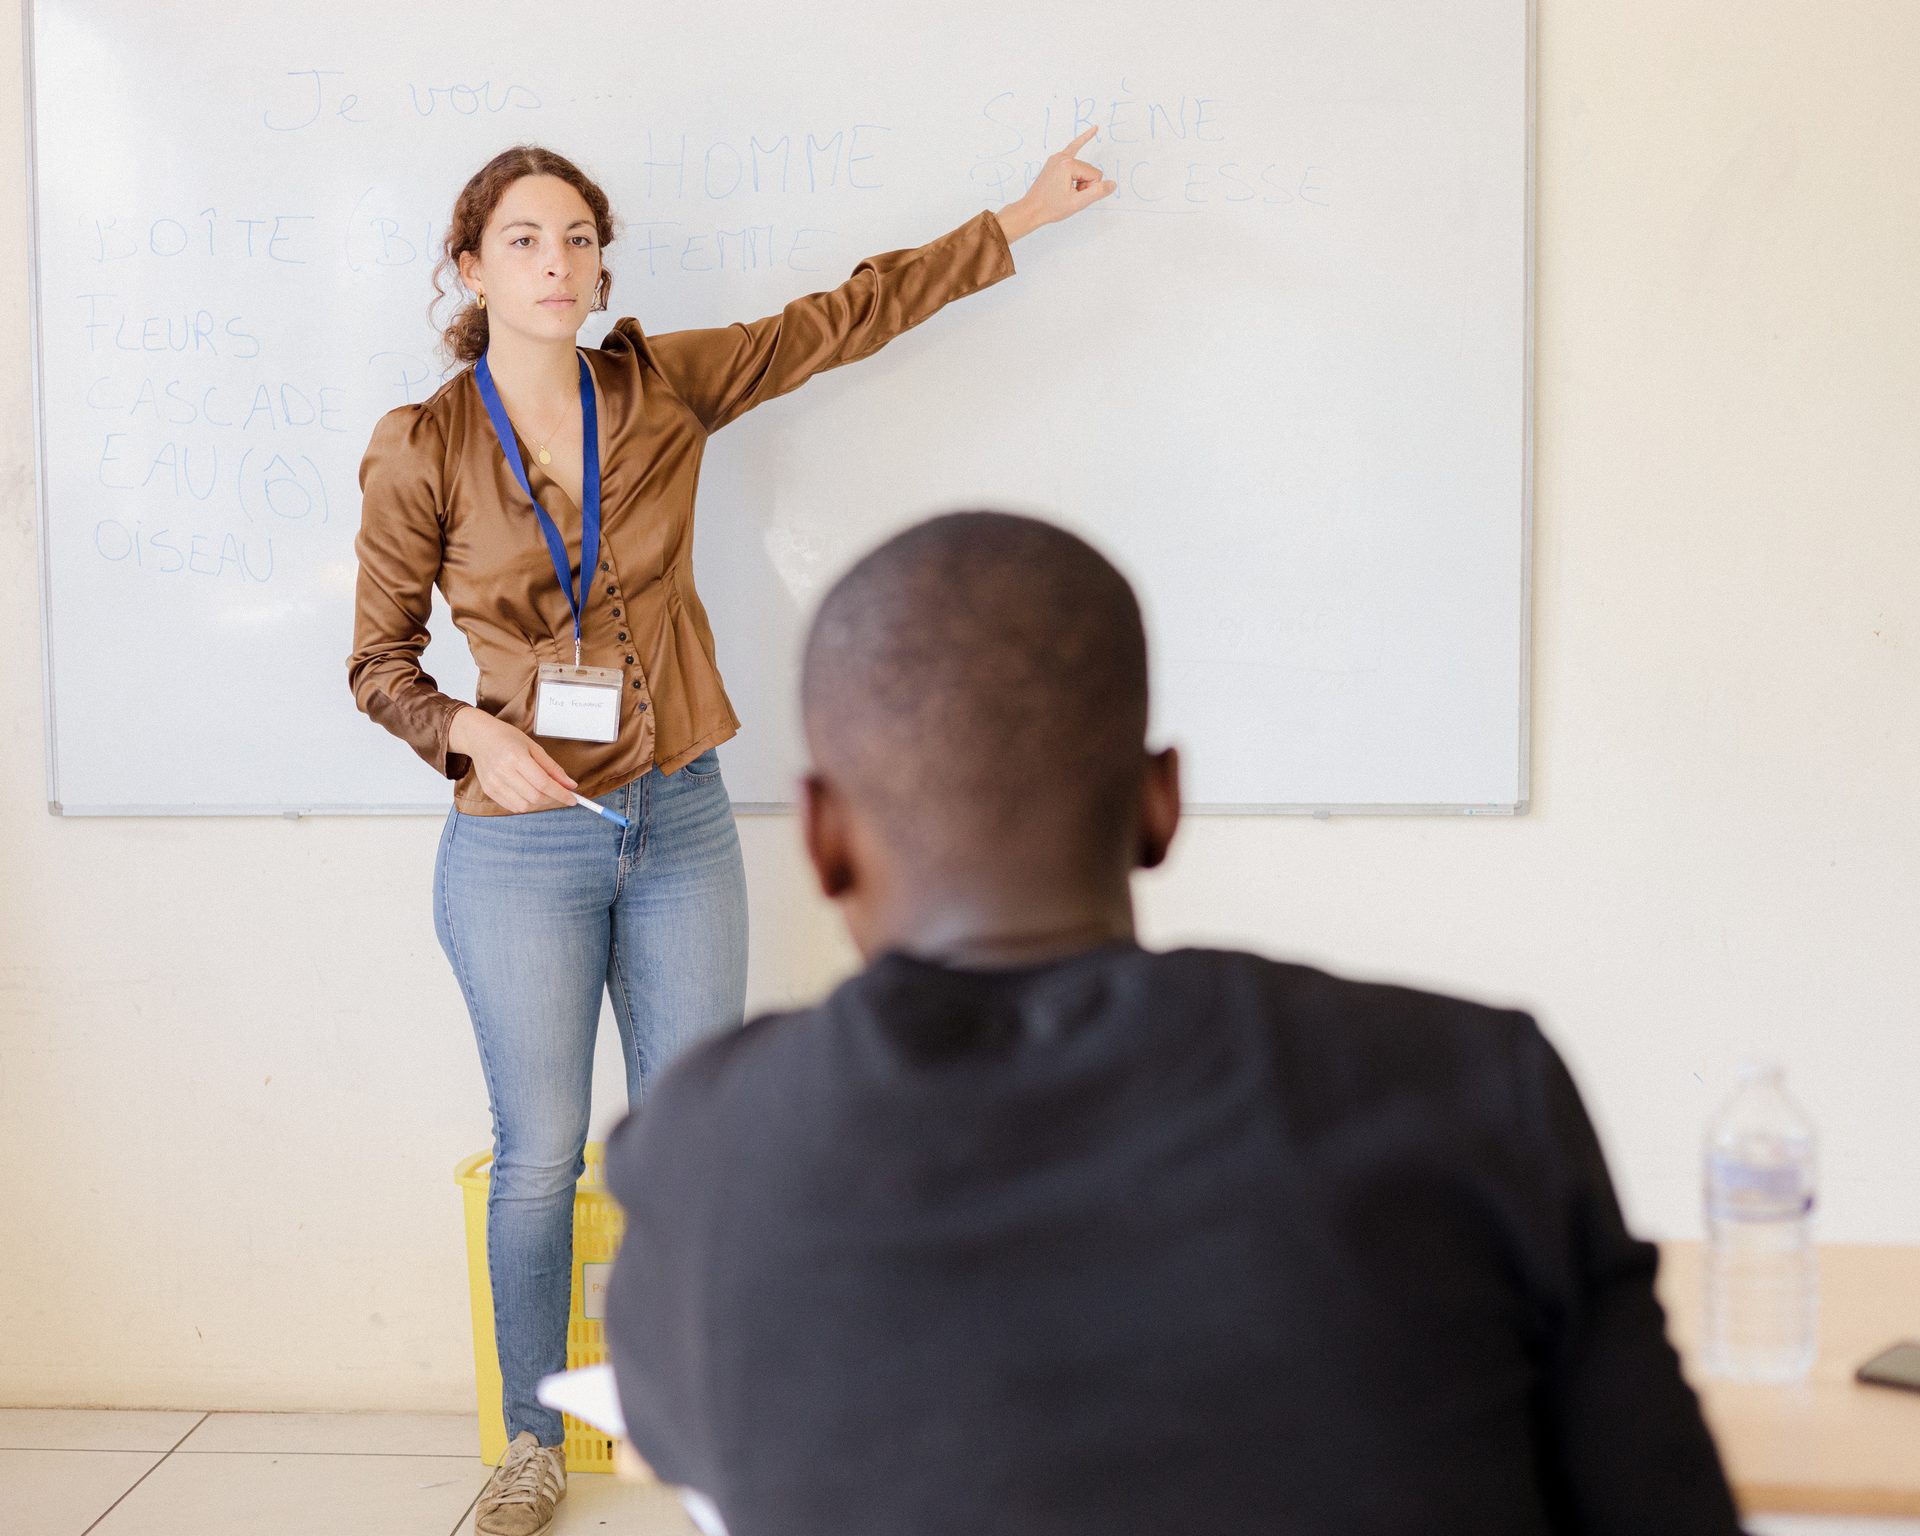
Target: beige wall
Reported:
point(235, 1074)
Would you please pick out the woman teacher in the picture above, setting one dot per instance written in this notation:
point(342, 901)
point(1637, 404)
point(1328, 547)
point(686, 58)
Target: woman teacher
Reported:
point(548, 492)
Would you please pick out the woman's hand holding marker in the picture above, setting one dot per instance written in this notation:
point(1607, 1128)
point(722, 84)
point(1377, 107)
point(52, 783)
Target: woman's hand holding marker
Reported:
point(1066, 184)
point(514, 769)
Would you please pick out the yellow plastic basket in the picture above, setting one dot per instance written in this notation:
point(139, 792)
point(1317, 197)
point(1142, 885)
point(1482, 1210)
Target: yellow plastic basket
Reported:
point(597, 1224)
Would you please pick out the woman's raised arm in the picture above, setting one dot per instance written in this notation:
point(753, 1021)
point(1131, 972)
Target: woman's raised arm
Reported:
point(724, 372)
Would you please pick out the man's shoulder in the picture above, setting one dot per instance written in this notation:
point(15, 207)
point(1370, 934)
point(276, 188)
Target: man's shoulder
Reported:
point(1344, 1037)
point(1222, 983)
point(1304, 995)
point(1315, 1028)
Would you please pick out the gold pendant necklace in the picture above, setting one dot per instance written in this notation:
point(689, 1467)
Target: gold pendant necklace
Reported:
point(540, 447)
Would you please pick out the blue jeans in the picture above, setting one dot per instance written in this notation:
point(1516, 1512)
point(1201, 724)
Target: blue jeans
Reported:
point(537, 914)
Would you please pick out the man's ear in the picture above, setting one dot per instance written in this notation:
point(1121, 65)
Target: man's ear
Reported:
point(823, 823)
point(1159, 807)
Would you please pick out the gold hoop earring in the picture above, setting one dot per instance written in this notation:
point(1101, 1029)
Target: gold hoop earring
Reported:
point(482, 298)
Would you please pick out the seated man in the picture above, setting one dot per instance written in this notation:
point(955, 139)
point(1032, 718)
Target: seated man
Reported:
point(1029, 1231)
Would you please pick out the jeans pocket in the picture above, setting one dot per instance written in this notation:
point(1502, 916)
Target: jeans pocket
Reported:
point(705, 766)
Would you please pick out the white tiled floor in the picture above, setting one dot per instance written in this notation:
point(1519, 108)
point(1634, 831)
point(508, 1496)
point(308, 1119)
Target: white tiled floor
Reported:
point(86, 1472)
point(1827, 1525)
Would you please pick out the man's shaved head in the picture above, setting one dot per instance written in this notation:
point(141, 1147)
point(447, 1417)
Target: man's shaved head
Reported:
point(979, 681)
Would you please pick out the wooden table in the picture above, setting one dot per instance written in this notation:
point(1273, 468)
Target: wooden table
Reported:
point(1829, 1445)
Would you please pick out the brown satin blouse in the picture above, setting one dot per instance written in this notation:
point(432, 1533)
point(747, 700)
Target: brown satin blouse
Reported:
point(440, 507)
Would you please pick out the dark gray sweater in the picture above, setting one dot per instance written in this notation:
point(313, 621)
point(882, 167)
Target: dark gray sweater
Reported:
point(1137, 1242)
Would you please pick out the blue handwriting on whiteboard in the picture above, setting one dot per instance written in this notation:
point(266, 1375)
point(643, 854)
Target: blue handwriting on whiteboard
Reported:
point(160, 551)
point(122, 238)
point(317, 95)
point(787, 163)
point(110, 327)
point(668, 245)
point(1148, 147)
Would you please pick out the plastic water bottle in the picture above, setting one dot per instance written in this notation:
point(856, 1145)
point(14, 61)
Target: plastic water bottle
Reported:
point(1762, 1280)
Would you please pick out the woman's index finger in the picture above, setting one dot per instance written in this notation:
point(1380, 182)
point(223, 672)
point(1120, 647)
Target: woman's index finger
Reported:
point(1075, 147)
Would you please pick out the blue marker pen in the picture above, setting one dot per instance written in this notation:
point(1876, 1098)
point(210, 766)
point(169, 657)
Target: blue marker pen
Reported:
point(594, 805)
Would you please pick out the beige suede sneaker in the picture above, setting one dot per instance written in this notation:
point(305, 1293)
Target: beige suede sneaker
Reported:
point(520, 1497)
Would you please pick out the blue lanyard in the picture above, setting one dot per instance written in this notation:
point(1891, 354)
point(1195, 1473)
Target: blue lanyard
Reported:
point(590, 488)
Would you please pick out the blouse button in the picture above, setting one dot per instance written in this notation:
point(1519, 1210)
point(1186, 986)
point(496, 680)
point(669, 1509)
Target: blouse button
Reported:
point(629, 661)
point(623, 634)
point(616, 614)
point(636, 682)
point(612, 591)
point(606, 565)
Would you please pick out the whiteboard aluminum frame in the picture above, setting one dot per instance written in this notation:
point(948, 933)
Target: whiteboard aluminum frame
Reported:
point(1318, 812)
point(42, 526)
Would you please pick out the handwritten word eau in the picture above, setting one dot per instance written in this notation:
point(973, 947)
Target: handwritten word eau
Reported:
point(263, 483)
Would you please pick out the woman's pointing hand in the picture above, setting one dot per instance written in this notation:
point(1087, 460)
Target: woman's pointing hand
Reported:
point(1066, 184)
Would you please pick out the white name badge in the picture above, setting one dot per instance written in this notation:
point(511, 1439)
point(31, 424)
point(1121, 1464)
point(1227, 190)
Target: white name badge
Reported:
point(578, 703)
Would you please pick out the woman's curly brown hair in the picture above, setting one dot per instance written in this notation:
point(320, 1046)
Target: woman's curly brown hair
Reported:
point(464, 337)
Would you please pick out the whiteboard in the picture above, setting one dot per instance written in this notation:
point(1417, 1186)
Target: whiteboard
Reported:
point(1282, 376)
